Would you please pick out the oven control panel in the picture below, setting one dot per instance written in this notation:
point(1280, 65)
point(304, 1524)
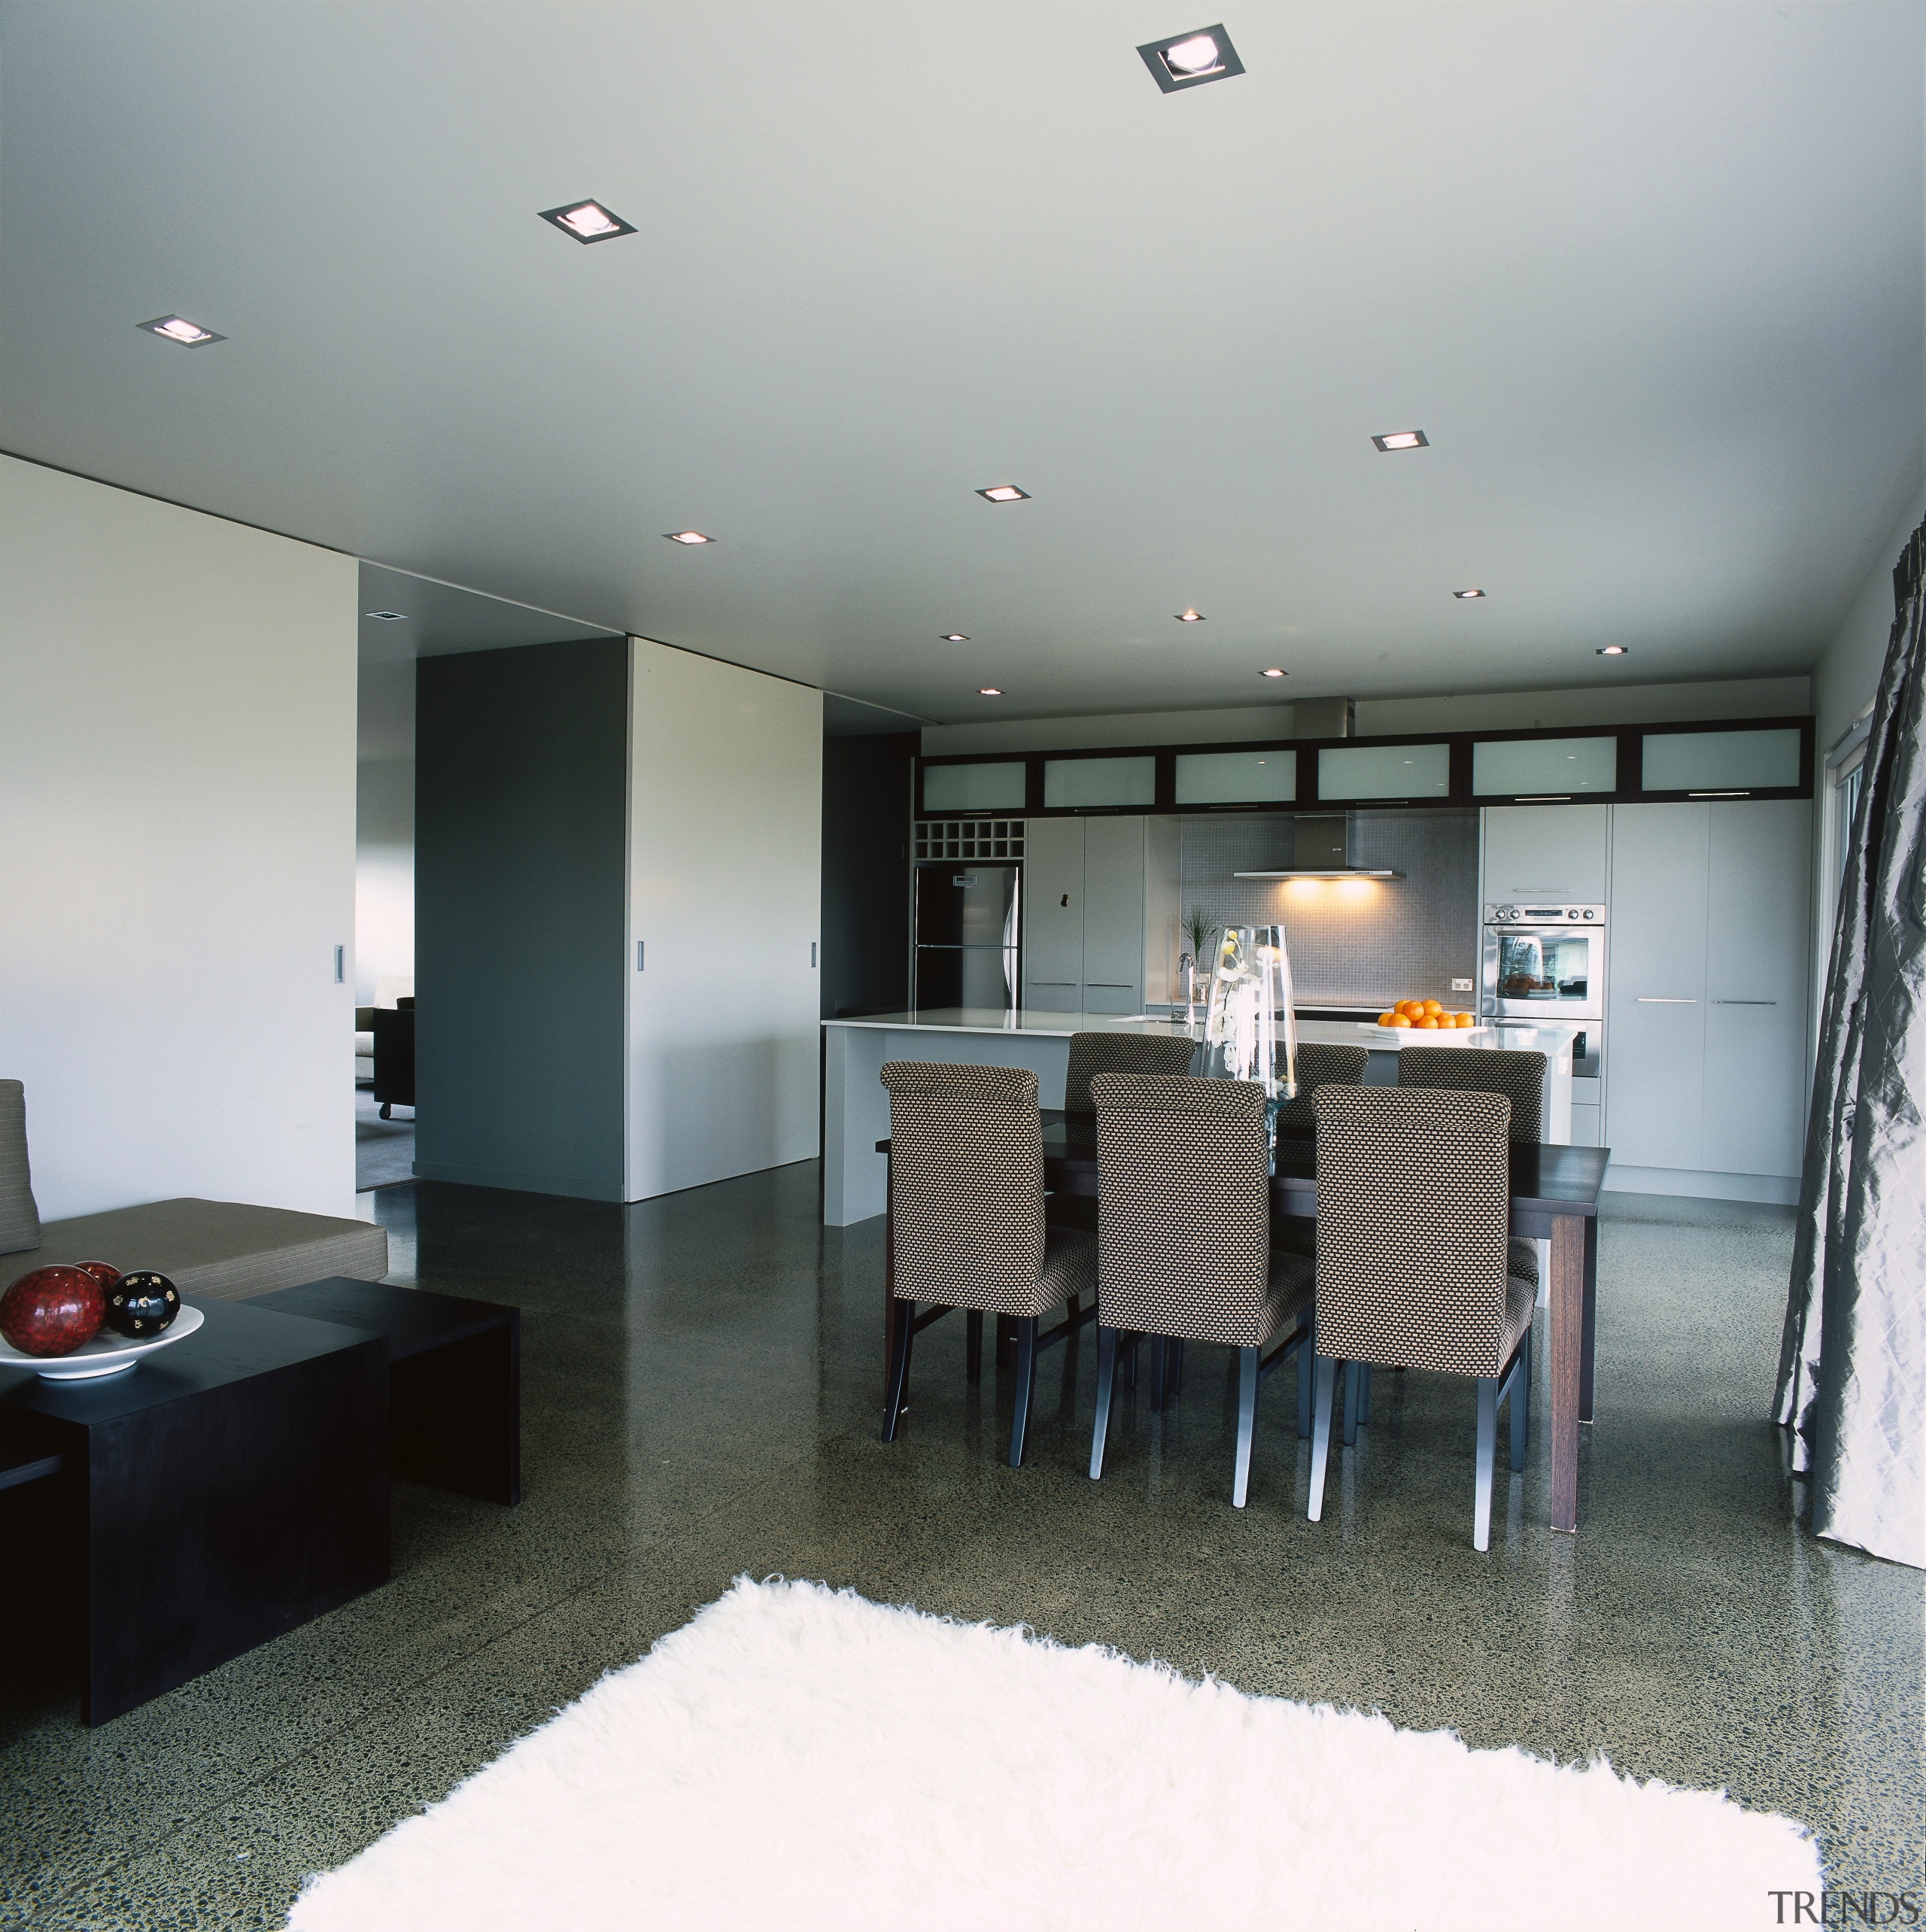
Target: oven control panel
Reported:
point(1544, 916)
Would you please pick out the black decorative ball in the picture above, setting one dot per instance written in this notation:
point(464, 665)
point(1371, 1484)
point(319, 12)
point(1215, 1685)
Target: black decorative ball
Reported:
point(140, 1305)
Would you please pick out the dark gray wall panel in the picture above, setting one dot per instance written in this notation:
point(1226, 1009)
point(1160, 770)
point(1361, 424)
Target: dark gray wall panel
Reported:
point(520, 804)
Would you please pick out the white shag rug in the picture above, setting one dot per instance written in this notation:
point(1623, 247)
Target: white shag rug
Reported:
point(798, 1756)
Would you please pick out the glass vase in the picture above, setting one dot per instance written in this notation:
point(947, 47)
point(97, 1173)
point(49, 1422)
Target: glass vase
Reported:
point(1250, 1025)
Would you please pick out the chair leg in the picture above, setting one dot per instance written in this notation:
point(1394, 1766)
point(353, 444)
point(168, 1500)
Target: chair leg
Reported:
point(1247, 1422)
point(1305, 1352)
point(899, 1367)
point(1159, 1350)
point(1174, 1371)
point(1488, 1454)
point(1521, 1405)
point(1364, 1395)
point(1100, 1429)
point(1320, 1436)
point(973, 1345)
point(1026, 1376)
point(1005, 1330)
point(1353, 1370)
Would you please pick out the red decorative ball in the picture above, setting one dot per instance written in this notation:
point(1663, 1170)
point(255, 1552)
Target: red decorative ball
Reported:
point(52, 1310)
point(105, 1272)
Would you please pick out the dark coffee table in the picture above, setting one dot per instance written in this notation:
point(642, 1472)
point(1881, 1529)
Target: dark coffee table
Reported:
point(222, 1492)
point(455, 1408)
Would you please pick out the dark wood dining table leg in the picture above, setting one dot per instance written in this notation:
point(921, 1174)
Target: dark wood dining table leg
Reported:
point(1591, 1318)
point(1565, 1363)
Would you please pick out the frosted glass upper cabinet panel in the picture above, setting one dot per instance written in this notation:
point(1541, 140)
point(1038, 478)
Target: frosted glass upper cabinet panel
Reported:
point(1545, 767)
point(974, 787)
point(1236, 778)
point(1721, 760)
point(1385, 771)
point(1073, 781)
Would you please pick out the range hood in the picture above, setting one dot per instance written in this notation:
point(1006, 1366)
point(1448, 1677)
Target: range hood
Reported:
point(1323, 849)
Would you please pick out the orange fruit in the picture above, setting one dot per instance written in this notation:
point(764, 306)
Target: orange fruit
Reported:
point(1433, 1006)
point(1388, 1019)
point(1429, 1023)
point(1466, 1019)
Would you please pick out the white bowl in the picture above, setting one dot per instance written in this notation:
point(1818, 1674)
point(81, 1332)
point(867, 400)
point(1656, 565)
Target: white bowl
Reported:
point(107, 1354)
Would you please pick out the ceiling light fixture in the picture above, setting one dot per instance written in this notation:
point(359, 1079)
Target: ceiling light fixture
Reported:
point(1615, 650)
point(1004, 493)
point(1274, 672)
point(1462, 595)
point(955, 637)
point(587, 221)
point(1190, 59)
point(687, 536)
point(990, 691)
point(386, 616)
point(179, 329)
point(1397, 439)
point(1187, 615)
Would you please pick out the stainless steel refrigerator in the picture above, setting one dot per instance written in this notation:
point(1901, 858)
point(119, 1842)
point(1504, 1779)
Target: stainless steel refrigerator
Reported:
point(967, 928)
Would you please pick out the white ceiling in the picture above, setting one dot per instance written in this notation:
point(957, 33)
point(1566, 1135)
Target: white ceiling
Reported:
point(1651, 278)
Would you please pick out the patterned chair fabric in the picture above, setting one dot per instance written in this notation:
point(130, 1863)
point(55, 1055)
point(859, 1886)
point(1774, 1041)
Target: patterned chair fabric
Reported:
point(1297, 1120)
point(1519, 1076)
point(1183, 1220)
point(967, 1193)
point(1120, 1053)
point(1412, 1204)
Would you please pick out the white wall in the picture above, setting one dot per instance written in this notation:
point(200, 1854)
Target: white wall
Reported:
point(725, 893)
point(384, 873)
point(1847, 675)
point(1614, 703)
point(176, 787)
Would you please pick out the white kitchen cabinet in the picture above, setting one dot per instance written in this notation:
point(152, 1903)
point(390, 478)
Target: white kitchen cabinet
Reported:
point(1548, 854)
point(1755, 986)
point(1053, 915)
point(1705, 1033)
point(1100, 913)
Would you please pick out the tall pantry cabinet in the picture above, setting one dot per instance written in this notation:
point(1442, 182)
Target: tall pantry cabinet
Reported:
point(1099, 913)
point(1709, 982)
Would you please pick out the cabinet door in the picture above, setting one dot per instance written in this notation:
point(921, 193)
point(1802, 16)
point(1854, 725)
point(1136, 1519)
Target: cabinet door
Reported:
point(1113, 914)
point(1053, 915)
point(1546, 854)
point(1760, 902)
point(1655, 1031)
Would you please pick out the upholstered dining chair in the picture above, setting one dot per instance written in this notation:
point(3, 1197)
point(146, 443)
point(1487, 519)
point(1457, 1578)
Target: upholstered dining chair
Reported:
point(1317, 1066)
point(1519, 1076)
point(1091, 1053)
point(966, 1203)
point(1412, 1200)
point(1183, 1239)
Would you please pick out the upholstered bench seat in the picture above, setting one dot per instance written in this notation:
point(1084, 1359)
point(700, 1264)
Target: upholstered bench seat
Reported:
point(224, 1250)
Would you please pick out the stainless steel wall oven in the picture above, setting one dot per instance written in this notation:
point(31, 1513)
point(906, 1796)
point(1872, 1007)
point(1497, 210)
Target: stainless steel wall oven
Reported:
point(1546, 964)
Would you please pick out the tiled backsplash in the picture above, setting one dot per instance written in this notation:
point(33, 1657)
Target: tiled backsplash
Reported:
point(1353, 943)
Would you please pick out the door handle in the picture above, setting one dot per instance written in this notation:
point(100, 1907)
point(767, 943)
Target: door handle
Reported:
point(1745, 1002)
point(1645, 999)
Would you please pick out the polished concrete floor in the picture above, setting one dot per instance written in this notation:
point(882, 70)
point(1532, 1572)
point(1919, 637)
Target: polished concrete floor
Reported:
point(383, 1149)
point(702, 1399)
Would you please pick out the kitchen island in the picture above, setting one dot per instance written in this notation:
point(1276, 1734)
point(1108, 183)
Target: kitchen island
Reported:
point(856, 1109)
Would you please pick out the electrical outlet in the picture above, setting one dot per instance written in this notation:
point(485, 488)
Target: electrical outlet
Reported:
point(1461, 986)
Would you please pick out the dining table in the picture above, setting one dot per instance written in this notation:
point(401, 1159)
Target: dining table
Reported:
point(1554, 1192)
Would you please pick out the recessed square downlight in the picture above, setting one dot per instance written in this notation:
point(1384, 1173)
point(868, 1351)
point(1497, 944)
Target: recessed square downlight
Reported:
point(386, 616)
point(1394, 440)
point(1190, 59)
point(587, 221)
point(179, 329)
point(687, 536)
point(1004, 493)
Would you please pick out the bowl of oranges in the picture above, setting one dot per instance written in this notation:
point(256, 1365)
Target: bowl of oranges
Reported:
point(1427, 1016)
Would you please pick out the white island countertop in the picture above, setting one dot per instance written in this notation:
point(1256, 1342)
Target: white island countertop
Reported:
point(856, 1110)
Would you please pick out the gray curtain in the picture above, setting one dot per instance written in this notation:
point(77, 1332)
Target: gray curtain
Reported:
point(1852, 1369)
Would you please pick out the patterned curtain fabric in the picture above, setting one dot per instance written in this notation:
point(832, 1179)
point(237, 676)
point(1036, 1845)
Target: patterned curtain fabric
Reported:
point(1852, 1369)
